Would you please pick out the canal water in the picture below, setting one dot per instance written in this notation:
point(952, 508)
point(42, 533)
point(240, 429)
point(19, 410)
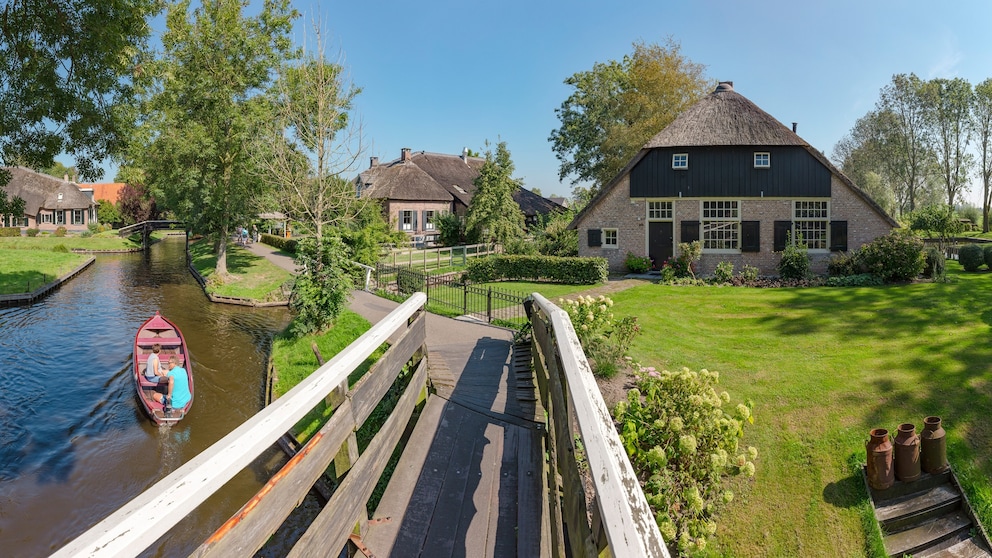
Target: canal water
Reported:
point(74, 443)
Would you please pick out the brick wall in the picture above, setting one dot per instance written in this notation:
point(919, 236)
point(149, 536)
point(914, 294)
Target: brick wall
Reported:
point(393, 208)
point(616, 210)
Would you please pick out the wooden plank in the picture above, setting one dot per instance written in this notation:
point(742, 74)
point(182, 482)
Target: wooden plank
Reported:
point(367, 393)
point(261, 516)
point(919, 538)
point(507, 495)
point(531, 516)
point(130, 529)
point(915, 503)
point(332, 526)
point(627, 519)
point(477, 523)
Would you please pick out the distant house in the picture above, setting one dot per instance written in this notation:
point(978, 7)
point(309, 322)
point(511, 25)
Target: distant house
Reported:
point(728, 174)
point(49, 202)
point(104, 191)
point(420, 186)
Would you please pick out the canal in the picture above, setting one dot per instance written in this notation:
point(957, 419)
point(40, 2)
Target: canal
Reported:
point(74, 443)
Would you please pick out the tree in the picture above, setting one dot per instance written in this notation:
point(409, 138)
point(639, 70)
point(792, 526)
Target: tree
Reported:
point(905, 135)
point(65, 78)
point(10, 208)
point(108, 212)
point(205, 101)
point(982, 122)
point(136, 204)
point(618, 106)
point(554, 238)
point(948, 111)
point(493, 214)
point(936, 220)
point(58, 170)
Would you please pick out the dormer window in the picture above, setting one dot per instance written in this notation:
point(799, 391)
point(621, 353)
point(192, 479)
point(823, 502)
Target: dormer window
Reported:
point(60, 196)
point(762, 160)
point(680, 161)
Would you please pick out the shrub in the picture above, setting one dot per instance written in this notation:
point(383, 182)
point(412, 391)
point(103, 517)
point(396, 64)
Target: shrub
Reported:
point(843, 265)
point(935, 265)
point(93, 227)
point(520, 247)
point(60, 231)
point(987, 255)
point(538, 268)
point(61, 248)
point(795, 262)
point(32, 232)
point(971, 257)
point(724, 272)
point(409, 281)
point(10, 231)
point(604, 341)
point(859, 280)
point(637, 264)
point(683, 438)
point(86, 234)
point(749, 273)
point(897, 256)
point(320, 292)
point(284, 244)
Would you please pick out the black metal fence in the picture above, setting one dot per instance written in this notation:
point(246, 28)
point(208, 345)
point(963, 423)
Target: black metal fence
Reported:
point(447, 294)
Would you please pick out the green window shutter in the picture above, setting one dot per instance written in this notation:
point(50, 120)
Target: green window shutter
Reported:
point(838, 236)
point(782, 230)
point(750, 236)
point(595, 237)
point(690, 231)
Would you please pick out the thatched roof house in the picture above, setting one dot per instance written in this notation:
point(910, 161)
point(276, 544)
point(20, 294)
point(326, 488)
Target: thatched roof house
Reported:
point(728, 174)
point(49, 202)
point(419, 185)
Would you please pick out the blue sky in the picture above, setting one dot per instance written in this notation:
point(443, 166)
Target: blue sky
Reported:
point(440, 76)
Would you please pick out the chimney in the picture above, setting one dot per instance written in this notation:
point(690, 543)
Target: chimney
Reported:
point(373, 161)
point(465, 154)
point(794, 126)
point(405, 154)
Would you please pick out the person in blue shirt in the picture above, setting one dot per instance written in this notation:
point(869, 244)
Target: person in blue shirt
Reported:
point(177, 393)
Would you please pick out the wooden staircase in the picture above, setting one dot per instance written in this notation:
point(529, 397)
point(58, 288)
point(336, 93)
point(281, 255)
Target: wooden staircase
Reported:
point(928, 518)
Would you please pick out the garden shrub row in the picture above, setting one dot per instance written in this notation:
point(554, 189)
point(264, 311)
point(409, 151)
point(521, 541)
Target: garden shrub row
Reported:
point(897, 256)
point(284, 244)
point(973, 256)
point(10, 231)
point(582, 271)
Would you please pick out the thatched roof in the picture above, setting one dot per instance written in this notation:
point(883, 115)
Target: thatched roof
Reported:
point(41, 191)
point(724, 117)
point(402, 180)
point(533, 204)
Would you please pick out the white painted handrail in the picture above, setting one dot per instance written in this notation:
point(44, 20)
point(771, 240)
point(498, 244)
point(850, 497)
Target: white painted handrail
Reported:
point(627, 519)
point(129, 530)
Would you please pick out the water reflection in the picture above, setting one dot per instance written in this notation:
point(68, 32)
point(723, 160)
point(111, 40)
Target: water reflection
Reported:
point(74, 443)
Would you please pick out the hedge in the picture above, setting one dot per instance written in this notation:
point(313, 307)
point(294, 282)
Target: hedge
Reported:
point(538, 268)
point(284, 244)
point(10, 231)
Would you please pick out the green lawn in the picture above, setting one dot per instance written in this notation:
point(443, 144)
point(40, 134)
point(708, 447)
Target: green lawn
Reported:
point(249, 276)
point(455, 296)
point(70, 242)
point(25, 270)
point(823, 366)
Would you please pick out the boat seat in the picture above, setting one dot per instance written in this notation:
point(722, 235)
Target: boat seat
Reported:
point(149, 341)
point(164, 357)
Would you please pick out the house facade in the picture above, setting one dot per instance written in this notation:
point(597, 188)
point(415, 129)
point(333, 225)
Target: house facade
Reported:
point(729, 175)
point(49, 202)
point(419, 186)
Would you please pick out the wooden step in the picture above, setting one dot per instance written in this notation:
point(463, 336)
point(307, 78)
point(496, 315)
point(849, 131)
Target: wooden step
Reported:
point(904, 512)
point(927, 534)
point(900, 489)
point(961, 546)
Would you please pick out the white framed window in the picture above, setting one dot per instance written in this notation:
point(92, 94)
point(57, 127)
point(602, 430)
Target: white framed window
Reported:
point(721, 225)
point(680, 161)
point(429, 220)
point(78, 216)
point(46, 217)
point(660, 210)
point(406, 220)
point(610, 238)
point(811, 220)
point(60, 217)
point(762, 160)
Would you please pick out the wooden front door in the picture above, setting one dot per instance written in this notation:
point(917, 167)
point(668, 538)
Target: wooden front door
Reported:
point(661, 242)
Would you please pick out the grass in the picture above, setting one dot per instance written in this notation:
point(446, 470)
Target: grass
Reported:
point(249, 276)
point(102, 242)
point(25, 270)
point(823, 366)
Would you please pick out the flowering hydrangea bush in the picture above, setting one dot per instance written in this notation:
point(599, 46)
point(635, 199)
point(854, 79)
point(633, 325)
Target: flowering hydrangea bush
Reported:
point(683, 437)
point(604, 340)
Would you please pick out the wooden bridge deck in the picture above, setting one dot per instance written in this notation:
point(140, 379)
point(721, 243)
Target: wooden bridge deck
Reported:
point(470, 481)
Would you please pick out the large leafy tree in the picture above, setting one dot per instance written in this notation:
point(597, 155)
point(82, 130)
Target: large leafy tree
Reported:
point(618, 106)
point(948, 111)
point(982, 122)
point(905, 135)
point(493, 214)
point(65, 78)
point(206, 100)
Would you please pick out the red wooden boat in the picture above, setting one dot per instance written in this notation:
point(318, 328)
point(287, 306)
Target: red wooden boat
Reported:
point(159, 330)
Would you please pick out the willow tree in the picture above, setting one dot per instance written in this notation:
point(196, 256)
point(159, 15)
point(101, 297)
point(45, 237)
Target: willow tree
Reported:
point(206, 99)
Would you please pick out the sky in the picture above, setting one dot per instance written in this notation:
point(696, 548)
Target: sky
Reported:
point(439, 76)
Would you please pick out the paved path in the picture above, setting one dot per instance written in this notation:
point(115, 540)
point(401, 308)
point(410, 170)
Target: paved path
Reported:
point(469, 482)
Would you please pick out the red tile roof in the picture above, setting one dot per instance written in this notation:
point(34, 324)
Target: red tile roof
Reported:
point(105, 191)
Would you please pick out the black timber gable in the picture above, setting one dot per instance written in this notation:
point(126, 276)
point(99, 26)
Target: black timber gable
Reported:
point(728, 172)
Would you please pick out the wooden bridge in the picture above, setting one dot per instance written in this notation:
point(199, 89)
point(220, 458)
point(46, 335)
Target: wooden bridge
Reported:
point(490, 467)
point(146, 227)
